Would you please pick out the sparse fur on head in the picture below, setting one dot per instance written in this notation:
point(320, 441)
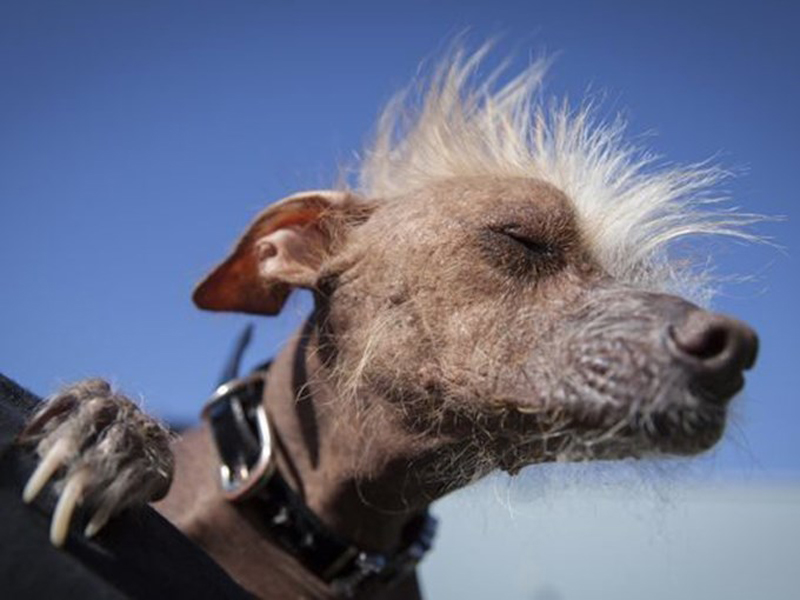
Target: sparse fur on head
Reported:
point(500, 286)
point(631, 207)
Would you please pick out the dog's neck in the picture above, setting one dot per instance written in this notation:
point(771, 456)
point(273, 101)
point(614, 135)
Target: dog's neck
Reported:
point(365, 485)
point(365, 493)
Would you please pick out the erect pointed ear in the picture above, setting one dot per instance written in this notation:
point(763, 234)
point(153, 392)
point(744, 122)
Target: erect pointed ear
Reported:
point(282, 248)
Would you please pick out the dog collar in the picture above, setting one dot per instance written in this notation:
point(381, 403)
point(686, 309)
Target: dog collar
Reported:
point(242, 434)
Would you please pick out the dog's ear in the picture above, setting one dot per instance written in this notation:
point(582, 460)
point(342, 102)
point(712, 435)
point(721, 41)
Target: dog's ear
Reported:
point(283, 248)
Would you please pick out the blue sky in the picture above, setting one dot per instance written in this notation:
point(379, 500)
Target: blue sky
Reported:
point(138, 138)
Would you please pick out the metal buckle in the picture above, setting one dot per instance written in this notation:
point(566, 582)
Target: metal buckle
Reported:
point(387, 569)
point(366, 565)
point(239, 425)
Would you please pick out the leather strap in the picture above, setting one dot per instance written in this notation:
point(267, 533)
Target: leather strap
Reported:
point(241, 431)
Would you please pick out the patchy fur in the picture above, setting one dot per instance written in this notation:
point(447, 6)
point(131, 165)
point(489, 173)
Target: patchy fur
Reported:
point(631, 207)
point(495, 294)
point(111, 455)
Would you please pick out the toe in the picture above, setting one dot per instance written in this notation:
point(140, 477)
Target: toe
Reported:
point(99, 519)
point(55, 458)
point(70, 497)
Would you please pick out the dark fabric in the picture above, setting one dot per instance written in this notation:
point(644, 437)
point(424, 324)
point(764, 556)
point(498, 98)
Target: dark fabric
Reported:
point(138, 555)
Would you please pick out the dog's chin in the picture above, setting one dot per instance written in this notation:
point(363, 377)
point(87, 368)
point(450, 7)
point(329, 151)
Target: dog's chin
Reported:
point(662, 435)
point(674, 440)
point(689, 428)
point(673, 431)
point(686, 426)
point(683, 422)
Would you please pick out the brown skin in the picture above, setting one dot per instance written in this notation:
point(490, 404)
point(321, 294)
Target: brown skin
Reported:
point(458, 330)
point(312, 440)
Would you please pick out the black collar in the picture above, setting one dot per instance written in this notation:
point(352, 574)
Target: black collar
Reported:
point(241, 430)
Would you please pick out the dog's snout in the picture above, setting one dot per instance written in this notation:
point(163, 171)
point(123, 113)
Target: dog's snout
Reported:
point(715, 342)
point(716, 349)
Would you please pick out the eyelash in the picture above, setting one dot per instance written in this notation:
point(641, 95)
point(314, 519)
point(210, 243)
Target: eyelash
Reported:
point(539, 248)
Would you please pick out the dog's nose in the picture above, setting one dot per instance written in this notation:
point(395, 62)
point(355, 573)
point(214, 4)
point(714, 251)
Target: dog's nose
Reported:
point(716, 350)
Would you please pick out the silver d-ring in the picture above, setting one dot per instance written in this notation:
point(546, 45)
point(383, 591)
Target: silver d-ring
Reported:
point(240, 428)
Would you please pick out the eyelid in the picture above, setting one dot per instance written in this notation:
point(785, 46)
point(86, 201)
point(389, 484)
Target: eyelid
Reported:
point(530, 242)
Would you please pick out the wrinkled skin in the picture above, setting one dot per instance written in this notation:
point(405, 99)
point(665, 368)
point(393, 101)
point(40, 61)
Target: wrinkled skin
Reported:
point(464, 328)
point(495, 313)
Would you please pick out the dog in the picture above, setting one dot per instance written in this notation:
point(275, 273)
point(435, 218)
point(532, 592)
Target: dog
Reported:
point(496, 290)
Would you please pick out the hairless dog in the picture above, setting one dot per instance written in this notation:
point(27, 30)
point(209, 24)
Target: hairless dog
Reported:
point(498, 288)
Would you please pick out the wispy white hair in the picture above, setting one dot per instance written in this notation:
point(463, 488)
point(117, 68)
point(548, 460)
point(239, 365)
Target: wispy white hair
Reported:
point(450, 124)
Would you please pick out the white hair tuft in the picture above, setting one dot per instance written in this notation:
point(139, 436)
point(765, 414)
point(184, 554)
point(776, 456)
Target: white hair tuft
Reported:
point(631, 209)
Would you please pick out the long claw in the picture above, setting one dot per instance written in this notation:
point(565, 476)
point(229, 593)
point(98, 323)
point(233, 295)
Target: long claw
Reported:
point(45, 469)
point(98, 520)
point(62, 516)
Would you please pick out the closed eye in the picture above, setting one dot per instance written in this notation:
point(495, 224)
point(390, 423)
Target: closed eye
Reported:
point(538, 247)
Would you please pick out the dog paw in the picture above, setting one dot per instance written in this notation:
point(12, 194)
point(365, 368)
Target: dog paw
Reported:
point(101, 451)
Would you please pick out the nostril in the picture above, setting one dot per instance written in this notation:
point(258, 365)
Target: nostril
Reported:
point(703, 343)
point(716, 342)
point(712, 351)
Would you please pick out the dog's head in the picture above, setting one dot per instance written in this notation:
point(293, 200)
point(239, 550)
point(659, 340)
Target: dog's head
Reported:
point(504, 277)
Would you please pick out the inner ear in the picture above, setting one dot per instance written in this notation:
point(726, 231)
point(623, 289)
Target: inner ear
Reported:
point(293, 254)
point(283, 248)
